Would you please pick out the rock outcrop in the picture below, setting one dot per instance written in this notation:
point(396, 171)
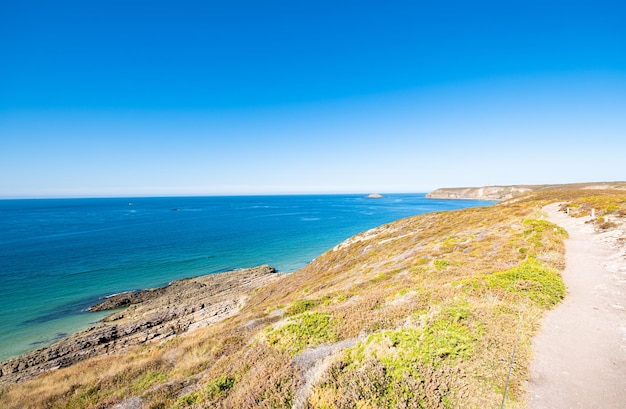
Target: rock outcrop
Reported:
point(152, 315)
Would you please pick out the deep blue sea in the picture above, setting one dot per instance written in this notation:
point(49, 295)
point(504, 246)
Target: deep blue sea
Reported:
point(58, 256)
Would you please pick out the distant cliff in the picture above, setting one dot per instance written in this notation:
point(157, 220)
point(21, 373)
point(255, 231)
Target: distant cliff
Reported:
point(508, 192)
point(480, 193)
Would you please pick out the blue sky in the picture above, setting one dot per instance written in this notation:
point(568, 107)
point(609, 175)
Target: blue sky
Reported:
point(125, 98)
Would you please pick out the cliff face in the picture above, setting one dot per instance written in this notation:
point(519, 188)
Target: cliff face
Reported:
point(480, 193)
point(508, 192)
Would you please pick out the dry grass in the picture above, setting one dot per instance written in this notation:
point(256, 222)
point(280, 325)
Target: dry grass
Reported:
point(437, 300)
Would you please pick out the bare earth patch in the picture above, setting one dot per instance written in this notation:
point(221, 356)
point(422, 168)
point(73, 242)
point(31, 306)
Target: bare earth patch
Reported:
point(580, 352)
point(314, 362)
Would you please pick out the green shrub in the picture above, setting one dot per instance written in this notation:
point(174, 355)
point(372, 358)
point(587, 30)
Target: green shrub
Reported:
point(400, 350)
point(441, 264)
point(219, 386)
point(531, 278)
point(409, 367)
point(300, 306)
point(189, 400)
point(144, 382)
point(303, 331)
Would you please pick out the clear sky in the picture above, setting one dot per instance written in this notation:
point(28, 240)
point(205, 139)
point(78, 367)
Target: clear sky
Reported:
point(125, 98)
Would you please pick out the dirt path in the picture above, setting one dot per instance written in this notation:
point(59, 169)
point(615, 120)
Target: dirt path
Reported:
point(580, 352)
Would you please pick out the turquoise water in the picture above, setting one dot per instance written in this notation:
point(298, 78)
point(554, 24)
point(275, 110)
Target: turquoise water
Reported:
point(58, 256)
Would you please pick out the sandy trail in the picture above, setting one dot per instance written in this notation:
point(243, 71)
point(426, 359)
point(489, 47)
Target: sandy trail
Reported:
point(580, 352)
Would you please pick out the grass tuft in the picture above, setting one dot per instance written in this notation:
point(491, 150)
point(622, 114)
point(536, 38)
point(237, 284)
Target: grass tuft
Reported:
point(303, 331)
point(530, 278)
point(300, 306)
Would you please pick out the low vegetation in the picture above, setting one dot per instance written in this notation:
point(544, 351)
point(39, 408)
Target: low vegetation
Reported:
point(420, 313)
point(303, 331)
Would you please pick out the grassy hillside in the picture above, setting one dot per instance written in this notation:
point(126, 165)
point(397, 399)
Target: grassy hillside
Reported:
point(420, 313)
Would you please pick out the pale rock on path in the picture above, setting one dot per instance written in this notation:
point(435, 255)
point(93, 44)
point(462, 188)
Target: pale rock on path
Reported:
point(580, 352)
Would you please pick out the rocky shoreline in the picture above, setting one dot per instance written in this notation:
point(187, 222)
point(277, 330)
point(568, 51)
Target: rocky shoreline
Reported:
point(151, 315)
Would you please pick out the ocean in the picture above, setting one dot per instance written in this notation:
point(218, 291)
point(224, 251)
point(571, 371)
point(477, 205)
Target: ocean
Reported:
point(59, 256)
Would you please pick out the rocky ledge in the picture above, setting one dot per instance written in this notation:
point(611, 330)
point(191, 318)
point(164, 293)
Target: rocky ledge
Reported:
point(151, 315)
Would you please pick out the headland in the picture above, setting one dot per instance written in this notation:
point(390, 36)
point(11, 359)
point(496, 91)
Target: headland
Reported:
point(499, 193)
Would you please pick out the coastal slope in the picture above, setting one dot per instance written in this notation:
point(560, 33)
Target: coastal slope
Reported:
point(426, 311)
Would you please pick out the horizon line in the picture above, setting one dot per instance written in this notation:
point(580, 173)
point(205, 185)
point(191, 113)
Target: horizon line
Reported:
point(174, 195)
